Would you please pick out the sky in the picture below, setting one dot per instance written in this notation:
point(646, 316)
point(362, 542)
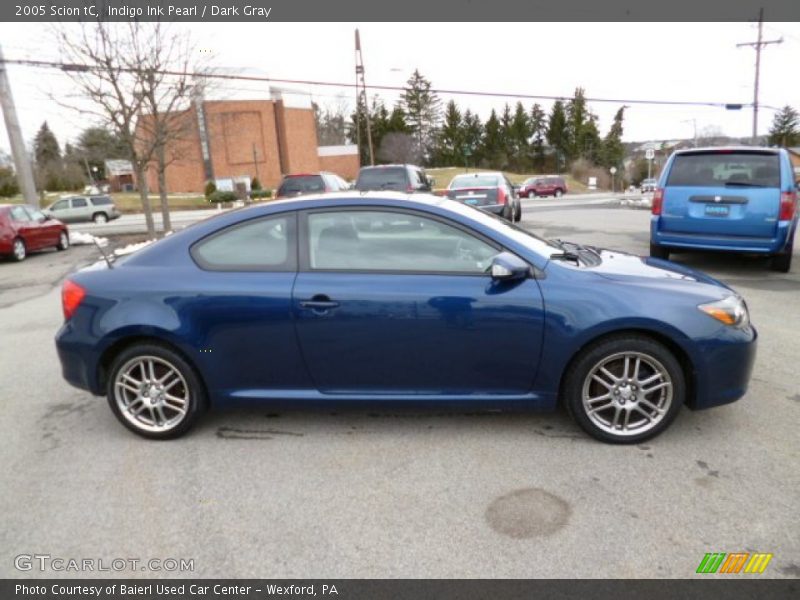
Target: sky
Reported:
point(626, 61)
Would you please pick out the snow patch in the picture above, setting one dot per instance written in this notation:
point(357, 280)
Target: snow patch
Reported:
point(131, 248)
point(79, 238)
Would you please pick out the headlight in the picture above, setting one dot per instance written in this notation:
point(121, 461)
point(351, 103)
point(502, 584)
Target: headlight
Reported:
point(731, 310)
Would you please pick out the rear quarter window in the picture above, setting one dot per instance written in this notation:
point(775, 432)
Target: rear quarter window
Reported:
point(260, 245)
point(716, 169)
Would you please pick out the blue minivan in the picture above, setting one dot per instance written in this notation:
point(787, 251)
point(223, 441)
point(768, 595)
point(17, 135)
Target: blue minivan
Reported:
point(736, 199)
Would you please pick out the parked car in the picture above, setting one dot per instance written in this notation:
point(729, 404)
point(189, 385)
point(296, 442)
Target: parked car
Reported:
point(311, 183)
point(401, 178)
point(386, 297)
point(543, 186)
point(24, 229)
point(648, 185)
point(736, 199)
point(492, 192)
point(72, 209)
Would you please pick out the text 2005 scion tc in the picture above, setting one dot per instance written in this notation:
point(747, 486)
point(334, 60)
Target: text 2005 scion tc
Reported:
point(387, 297)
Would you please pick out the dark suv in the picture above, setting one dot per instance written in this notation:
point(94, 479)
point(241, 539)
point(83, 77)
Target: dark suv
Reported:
point(399, 178)
point(543, 186)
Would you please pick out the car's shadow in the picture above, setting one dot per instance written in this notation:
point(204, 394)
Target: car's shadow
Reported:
point(741, 270)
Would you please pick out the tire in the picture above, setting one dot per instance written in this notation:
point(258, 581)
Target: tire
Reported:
point(100, 218)
point(628, 414)
point(508, 213)
point(518, 213)
point(659, 252)
point(18, 250)
point(782, 262)
point(63, 241)
point(165, 410)
point(558, 194)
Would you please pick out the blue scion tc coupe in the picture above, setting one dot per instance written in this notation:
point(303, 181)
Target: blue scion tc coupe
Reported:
point(390, 297)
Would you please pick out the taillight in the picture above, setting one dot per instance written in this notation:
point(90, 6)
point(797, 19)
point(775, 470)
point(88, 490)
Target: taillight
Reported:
point(71, 297)
point(658, 201)
point(788, 206)
point(409, 188)
point(501, 196)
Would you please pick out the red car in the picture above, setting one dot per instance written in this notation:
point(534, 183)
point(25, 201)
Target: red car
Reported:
point(543, 186)
point(24, 229)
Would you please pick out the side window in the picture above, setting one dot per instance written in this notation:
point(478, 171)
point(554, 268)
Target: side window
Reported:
point(19, 214)
point(260, 245)
point(387, 241)
point(60, 205)
point(100, 200)
point(79, 203)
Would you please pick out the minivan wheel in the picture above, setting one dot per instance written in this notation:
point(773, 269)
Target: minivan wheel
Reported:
point(154, 392)
point(63, 241)
point(783, 262)
point(659, 252)
point(18, 250)
point(624, 389)
point(100, 218)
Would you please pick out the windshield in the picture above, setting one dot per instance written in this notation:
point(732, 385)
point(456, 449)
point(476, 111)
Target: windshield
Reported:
point(471, 181)
point(718, 169)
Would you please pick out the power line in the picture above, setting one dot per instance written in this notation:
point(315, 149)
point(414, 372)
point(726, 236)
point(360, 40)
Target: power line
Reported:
point(758, 45)
point(76, 67)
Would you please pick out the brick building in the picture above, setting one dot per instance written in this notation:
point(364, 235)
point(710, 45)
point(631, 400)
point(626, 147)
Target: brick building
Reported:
point(233, 141)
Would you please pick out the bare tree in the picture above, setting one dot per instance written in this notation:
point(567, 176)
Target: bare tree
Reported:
point(399, 148)
point(136, 77)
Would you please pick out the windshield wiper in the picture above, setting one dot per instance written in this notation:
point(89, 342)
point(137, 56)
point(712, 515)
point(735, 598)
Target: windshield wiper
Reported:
point(565, 254)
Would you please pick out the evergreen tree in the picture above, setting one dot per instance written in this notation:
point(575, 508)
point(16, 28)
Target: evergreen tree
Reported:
point(557, 133)
point(45, 147)
point(492, 142)
point(538, 129)
point(578, 118)
point(97, 145)
point(521, 133)
point(473, 137)
point(422, 108)
point(785, 128)
point(613, 150)
point(507, 139)
point(450, 142)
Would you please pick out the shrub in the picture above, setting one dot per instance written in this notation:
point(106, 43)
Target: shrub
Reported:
point(8, 183)
point(219, 196)
point(255, 185)
point(260, 194)
point(211, 187)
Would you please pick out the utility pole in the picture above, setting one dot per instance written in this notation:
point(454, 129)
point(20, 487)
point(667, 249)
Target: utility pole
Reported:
point(758, 45)
point(362, 93)
point(22, 163)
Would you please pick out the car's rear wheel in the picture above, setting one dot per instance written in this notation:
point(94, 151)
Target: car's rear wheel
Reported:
point(783, 262)
point(508, 212)
point(625, 389)
point(63, 241)
point(100, 218)
point(659, 252)
point(154, 392)
point(518, 213)
point(18, 250)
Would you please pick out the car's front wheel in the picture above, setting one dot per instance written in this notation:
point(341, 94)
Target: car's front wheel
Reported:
point(100, 218)
point(558, 193)
point(154, 392)
point(625, 389)
point(18, 250)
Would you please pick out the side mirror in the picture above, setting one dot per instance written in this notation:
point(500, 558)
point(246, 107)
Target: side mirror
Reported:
point(509, 267)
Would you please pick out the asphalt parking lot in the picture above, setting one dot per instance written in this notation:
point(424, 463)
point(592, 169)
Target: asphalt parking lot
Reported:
point(376, 493)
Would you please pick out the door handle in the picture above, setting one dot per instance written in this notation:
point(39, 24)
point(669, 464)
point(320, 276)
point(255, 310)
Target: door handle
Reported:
point(319, 303)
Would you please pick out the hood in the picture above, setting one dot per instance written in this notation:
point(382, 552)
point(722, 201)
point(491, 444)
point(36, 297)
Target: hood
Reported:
point(621, 266)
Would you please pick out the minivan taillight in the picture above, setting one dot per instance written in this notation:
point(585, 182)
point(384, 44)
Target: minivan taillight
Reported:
point(501, 196)
point(788, 206)
point(658, 201)
point(71, 297)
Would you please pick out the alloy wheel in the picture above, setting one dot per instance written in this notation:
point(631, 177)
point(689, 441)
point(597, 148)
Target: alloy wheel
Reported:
point(627, 393)
point(151, 394)
point(19, 249)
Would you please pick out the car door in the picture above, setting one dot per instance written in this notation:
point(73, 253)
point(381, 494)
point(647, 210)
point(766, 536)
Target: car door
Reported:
point(238, 308)
point(26, 227)
point(399, 302)
point(60, 210)
point(80, 209)
point(48, 231)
